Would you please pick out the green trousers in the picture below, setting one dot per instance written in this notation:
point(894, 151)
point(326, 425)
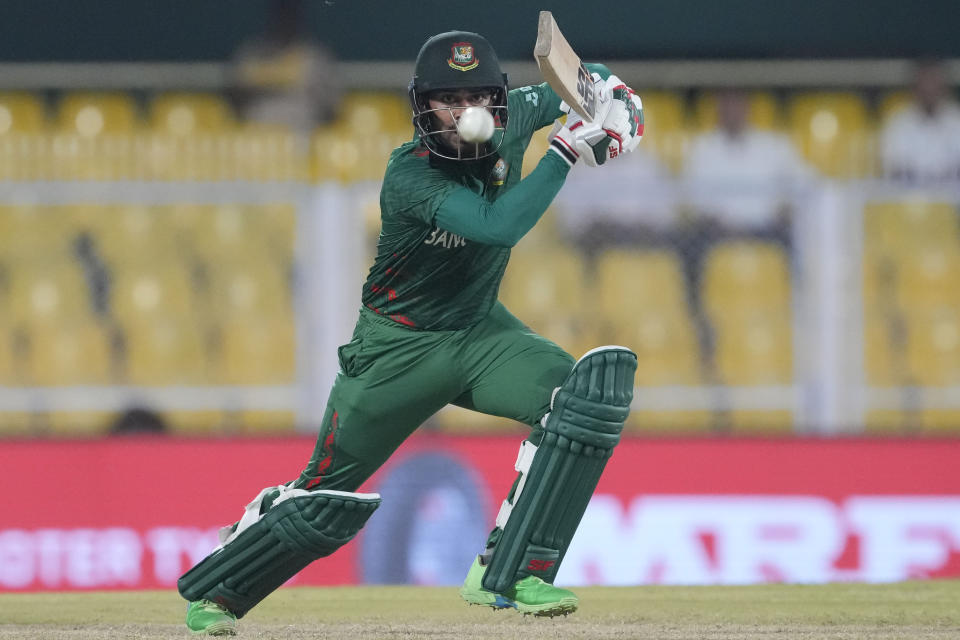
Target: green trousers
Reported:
point(392, 379)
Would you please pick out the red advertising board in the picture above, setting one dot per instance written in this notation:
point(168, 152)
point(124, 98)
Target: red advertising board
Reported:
point(136, 513)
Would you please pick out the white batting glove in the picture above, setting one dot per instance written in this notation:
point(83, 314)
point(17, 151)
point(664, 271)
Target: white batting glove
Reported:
point(589, 141)
point(578, 139)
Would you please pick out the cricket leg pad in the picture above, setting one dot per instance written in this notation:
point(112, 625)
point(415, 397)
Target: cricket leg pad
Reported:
point(583, 426)
point(269, 549)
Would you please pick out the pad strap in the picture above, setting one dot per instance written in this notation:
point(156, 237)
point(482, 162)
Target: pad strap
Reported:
point(524, 459)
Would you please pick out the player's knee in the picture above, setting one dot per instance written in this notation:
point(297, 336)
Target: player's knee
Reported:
point(593, 402)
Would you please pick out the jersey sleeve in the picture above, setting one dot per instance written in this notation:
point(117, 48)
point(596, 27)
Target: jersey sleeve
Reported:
point(507, 219)
point(533, 108)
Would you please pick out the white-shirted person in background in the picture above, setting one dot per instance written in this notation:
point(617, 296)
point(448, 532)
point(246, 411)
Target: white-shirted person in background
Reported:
point(920, 144)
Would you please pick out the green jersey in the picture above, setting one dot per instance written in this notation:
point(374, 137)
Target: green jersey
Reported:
point(447, 226)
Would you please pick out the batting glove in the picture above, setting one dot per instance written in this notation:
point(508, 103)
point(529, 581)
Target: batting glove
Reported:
point(616, 129)
point(587, 140)
point(624, 119)
point(577, 138)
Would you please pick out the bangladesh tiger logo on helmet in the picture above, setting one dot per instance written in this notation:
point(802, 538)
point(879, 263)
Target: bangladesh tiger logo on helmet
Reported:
point(462, 58)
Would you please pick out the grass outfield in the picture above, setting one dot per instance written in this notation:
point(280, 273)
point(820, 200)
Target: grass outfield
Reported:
point(914, 610)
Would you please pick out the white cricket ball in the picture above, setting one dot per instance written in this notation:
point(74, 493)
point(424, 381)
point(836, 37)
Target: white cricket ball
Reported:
point(475, 125)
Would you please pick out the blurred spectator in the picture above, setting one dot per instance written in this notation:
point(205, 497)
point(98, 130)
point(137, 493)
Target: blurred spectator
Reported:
point(920, 145)
point(740, 180)
point(638, 206)
point(284, 76)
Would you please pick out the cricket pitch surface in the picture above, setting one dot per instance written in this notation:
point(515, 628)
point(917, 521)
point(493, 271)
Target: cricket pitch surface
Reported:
point(910, 610)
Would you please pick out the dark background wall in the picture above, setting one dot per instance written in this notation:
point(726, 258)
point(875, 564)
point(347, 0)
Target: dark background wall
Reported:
point(176, 30)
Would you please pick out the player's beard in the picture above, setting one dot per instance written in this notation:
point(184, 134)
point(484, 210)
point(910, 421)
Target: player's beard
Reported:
point(450, 139)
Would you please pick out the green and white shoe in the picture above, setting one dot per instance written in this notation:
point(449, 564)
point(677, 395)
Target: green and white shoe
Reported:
point(530, 595)
point(206, 617)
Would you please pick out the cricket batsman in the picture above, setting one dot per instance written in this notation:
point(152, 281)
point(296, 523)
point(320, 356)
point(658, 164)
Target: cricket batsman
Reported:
point(431, 332)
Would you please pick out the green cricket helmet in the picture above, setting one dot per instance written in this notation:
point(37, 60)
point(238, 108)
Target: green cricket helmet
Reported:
point(457, 60)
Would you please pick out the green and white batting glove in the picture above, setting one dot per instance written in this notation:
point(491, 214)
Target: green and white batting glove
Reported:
point(578, 138)
point(616, 129)
point(587, 140)
point(624, 119)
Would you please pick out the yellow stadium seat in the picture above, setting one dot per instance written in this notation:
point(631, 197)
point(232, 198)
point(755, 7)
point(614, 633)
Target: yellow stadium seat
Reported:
point(547, 290)
point(939, 421)
point(745, 275)
point(544, 282)
point(666, 344)
point(140, 292)
point(21, 113)
point(71, 352)
point(266, 422)
point(668, 354)
point(663, 111)
point(376, 111)
point(678, 422)
point(928, 279)
point(93, 140)
point(48, 293)
point(184, 114)
point(9, 366)
point(763, 110)
point(251, 288)
point(164, 349)
point(83, 218)
point(760, 421)
point(279, 221)
point(665, 126)
point(884, 367)
point(882, 357)
point(196, 422)
point(230, 232)
point(905, 227)
point(31, 233)
point(18, 424)
point(79, 424)
point(136, 234)
point(257, 349)
point(92, 114)
point(933, 346)
point(833, 131)
point(631, 283)
point(341, 153)
point(879, 279)
point(885, 421)
point(754, 348)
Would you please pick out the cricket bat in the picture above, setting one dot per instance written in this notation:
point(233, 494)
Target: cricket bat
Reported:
point(562, 69)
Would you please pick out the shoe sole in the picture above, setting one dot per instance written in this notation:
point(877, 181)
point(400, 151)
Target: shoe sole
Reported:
point(492, 600)
point(217, 629)
point(563, 607)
